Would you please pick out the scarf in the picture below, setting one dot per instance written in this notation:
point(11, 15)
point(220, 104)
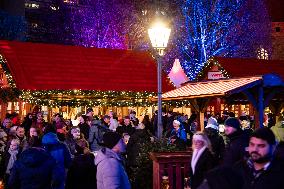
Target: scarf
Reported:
point(195, 157)
point(13, 158)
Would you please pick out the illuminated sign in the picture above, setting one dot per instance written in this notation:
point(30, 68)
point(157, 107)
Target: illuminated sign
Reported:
point(215, 75)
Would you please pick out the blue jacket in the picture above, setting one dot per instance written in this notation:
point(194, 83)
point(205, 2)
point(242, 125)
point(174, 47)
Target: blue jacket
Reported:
point(35, 169)
point(59, 151)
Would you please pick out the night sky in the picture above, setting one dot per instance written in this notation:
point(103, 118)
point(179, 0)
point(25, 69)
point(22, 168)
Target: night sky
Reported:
point(276, 9)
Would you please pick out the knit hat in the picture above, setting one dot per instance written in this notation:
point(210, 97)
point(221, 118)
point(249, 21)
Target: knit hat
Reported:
point(110, 139)
point(233, 122)
point(212, 123)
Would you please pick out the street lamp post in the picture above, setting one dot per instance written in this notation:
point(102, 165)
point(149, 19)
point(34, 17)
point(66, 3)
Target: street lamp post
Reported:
point(159, 35)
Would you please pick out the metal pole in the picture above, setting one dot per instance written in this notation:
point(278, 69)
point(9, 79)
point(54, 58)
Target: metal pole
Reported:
point(159, 124)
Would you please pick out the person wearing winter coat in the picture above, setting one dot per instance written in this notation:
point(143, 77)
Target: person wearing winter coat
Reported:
point(34, 169)
point(202, 159)
point(235, 150)
point(82, 171)
point(217, 141)
point(139, 137)
point(73, 136)
point(178, 136)
point(261, 170)
point(110, 170)
point(59, 152)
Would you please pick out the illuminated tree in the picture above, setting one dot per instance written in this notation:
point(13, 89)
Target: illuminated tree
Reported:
point(229, 28)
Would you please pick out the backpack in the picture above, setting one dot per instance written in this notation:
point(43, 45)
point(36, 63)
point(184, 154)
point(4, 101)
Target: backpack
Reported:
point(101, 130)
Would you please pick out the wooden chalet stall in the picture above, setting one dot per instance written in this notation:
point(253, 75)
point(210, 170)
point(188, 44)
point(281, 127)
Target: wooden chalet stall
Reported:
point(236, 85)
point(67, 79)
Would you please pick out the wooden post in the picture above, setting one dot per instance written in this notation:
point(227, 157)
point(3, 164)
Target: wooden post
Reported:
point(260, 106)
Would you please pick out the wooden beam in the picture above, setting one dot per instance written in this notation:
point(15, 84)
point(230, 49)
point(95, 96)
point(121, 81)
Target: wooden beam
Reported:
point(251, 98)
point(269, 97)
point(260, 106)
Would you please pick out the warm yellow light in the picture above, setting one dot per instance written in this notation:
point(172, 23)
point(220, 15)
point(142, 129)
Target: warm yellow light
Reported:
point(159, 35)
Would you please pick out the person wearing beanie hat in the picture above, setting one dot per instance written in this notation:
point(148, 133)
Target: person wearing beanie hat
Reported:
point(110, 171)
point(233, 122)
point(261, 170)
point(217, 141)
point(238, 141)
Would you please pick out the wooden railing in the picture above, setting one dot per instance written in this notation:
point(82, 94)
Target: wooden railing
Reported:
point(175, 165)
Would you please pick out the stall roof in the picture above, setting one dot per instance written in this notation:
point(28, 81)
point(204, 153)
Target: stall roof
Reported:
point(243, 67)
point(36, 66)
point(212, 88)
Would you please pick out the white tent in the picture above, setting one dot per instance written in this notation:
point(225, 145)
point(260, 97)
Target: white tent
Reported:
point(177, 74)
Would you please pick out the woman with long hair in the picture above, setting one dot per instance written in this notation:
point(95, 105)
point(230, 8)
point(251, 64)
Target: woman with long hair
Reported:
point(202, 159)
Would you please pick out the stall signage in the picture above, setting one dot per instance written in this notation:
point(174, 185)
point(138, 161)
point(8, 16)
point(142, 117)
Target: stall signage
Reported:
point(215, 75)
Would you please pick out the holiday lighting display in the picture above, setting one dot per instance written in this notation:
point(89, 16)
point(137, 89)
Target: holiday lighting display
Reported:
point(76, 98)
point(225, 28)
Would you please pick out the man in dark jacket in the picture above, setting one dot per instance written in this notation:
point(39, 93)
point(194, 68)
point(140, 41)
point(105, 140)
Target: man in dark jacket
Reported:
point(35, 169)
point(260, 170)
point(238, 141)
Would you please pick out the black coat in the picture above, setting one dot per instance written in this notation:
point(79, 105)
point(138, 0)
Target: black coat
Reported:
point(272, 178)
point(236, 148)
point(203, 165)
point(139, 137)
point(217, 143)
point(82, 172)
point(34, 169)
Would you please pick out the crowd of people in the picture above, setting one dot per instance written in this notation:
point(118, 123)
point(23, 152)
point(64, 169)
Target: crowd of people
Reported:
point(100, 151)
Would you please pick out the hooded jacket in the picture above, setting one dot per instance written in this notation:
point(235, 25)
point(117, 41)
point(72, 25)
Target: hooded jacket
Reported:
point(110, 171)
point(35, 169)
point(60, 153)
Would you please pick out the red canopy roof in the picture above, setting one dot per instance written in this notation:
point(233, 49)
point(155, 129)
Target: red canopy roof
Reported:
point(211, 88)
point(37, 66)
point(242, 67)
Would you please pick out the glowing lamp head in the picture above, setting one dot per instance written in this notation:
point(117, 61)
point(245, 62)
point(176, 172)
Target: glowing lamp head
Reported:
point(159, 35)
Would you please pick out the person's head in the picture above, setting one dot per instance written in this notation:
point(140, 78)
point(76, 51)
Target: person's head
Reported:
point(49, 128)
point(176, 124)
point(212, 123)
point(7, 123)
point(111, 114)
point(261, 145)
point(90, 112)
point(83, 119)
point(57, 118)
point(33, 132)
point(232, 124)
point(113, 141)
point(200, 140)
point(39, 116)
point(81, 146)
point(3, 135)
point(75, 132)
point(106, 119)
point(20, 131)
point(140, 126)
point(126, 120)
point(15, 143)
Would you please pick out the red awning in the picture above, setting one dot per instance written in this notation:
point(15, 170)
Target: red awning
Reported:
point(211, 88)
point(243, 67)
point(36, 66)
